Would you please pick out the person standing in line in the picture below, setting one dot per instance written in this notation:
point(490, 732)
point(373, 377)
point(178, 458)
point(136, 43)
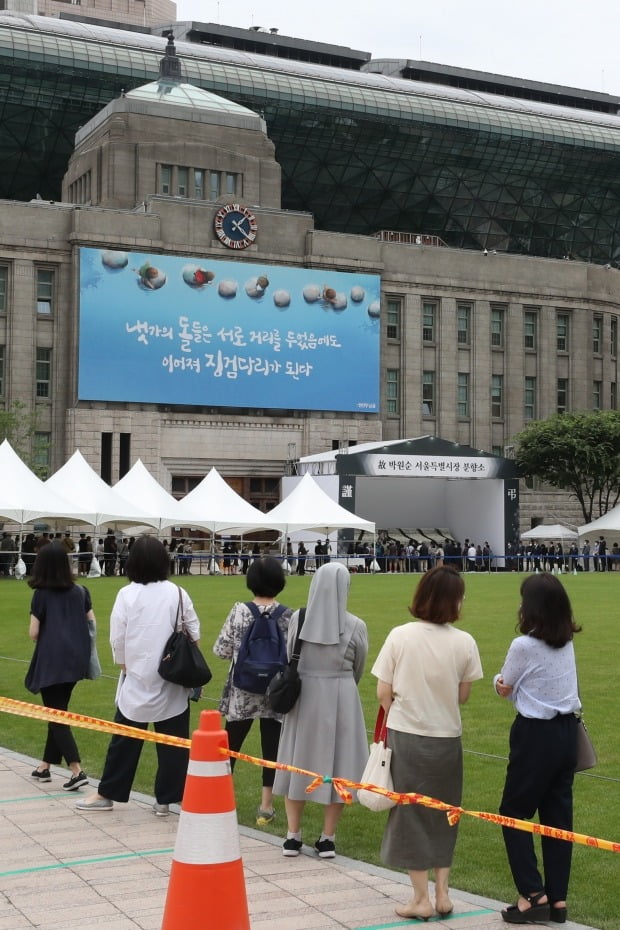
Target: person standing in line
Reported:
point(325, 730)
point(265, 579)
point(425, 670)
point(585, 552)
point(110, 550)
point(302, 552)
point(143, 617)
point(58, 614)
point(539, 676)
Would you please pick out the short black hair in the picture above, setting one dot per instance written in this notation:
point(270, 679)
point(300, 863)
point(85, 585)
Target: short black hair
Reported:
point(148, 561)
point(265, 577)
point(51, 568)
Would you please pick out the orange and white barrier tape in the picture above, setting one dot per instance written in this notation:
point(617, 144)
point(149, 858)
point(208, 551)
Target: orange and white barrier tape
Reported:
point(52, 715)
point(342, 786)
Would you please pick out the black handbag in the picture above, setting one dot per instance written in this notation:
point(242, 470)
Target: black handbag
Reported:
point(182, 662)
point(285, 686)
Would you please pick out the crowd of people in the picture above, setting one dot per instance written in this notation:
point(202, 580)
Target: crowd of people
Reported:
point(387, 556)
point(425, 670)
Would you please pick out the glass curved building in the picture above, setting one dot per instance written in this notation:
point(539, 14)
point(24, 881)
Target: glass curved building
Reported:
point(360, 151)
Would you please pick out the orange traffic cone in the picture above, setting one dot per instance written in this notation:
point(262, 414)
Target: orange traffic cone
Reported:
point(207, 889)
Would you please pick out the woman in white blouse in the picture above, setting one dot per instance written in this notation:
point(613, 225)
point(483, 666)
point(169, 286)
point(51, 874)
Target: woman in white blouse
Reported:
point(425, 671)
point(143, 617)
point(540, 677)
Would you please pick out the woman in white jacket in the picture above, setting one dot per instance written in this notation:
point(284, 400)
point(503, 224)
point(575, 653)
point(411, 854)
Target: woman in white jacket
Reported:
point(143, 617)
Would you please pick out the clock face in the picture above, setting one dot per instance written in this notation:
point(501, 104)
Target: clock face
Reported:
point(235, 226)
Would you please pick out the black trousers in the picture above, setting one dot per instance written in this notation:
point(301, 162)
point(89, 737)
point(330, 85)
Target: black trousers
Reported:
point(60, 742)
point(541, 768)
point(269, 738)
point(123, 756)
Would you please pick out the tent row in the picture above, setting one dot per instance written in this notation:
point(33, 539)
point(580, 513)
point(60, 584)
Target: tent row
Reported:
point(77, 494)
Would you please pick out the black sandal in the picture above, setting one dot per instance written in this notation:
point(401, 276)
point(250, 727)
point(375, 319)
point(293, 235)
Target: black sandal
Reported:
point(533, 914)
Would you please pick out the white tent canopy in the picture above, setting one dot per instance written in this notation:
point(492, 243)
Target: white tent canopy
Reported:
point(24, 497)
point(608, 523)
point(308, 507)
point(140, 485)
point(213, 505)
point(549, 531)
point(101, 504)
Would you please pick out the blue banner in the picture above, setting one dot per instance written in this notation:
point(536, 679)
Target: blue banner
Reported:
point(165, 329)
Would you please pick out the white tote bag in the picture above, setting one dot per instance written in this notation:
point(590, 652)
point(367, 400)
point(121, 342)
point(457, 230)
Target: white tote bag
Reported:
point(377, 771)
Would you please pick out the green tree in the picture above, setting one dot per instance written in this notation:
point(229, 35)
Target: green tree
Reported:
point(19, 426)
point(579, 452)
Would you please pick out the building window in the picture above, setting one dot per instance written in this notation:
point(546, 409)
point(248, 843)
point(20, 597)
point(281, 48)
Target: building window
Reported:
point(530, 329)
point(4, 278)
point(613, 399)
point(392, 391)
point(597, 390)
point(214, 185)
point(182, 181)
point(231, 183)
point(262, 493)
point(165, 179)
point(41, 454)
point(497, 450)
point(43, 373)
point(199, 184)
point(497, 327)
point(429, 309)
point(597, 334)
point(394, 307)
point(614, 336)
point(45, 291)
point(463, 394)
point(562, 395)
point(428, 393)
point(561, 325)
point(529, 399)
point(183, 484)
point(497, 396)
point(1, 371)
point(463, 324)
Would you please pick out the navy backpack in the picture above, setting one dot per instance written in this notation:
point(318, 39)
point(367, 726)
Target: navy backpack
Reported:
point(262, 652)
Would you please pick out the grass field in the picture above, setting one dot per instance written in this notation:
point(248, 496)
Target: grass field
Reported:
point(490, 615)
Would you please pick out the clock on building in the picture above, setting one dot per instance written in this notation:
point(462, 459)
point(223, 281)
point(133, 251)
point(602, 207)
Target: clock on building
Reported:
point(235, 226)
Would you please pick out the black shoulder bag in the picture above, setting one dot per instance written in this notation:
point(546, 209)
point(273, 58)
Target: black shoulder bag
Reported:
point(285, 686)
point(182, 662)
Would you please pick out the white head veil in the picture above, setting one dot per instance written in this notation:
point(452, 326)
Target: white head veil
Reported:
point(327, 605)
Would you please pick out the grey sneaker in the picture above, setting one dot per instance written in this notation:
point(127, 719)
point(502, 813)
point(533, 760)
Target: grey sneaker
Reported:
point(94, 804)
point(160, 810)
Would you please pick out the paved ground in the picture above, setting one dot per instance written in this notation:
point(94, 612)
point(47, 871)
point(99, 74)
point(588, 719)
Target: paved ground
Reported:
point(62, 868)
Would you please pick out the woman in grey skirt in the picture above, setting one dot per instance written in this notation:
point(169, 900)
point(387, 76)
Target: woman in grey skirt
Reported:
point(425, 670)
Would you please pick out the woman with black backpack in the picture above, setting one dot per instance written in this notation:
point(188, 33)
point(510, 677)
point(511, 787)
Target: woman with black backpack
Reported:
point(239, 642)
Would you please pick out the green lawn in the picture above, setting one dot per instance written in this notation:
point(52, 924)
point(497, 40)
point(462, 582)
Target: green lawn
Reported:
point(490, 615)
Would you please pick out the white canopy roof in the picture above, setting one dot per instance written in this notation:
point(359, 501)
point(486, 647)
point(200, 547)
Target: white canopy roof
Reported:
point(308, 507)
point(139, 485)
point(213, 505)
point(24, 497)
point(101, 504)
point(608, 523)
point(550, 531)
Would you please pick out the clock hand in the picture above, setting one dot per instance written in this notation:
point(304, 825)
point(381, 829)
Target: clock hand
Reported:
point(236, 224)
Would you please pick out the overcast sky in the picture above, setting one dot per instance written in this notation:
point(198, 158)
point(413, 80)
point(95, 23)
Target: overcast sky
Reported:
point(559, 41)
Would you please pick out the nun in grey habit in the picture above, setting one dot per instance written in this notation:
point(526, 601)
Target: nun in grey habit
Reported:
point(325, 730)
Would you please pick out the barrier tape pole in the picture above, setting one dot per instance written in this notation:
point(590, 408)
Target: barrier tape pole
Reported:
point(342, 786)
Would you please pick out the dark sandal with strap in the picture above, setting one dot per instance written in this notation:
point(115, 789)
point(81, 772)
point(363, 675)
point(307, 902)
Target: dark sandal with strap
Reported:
point(534, 914)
